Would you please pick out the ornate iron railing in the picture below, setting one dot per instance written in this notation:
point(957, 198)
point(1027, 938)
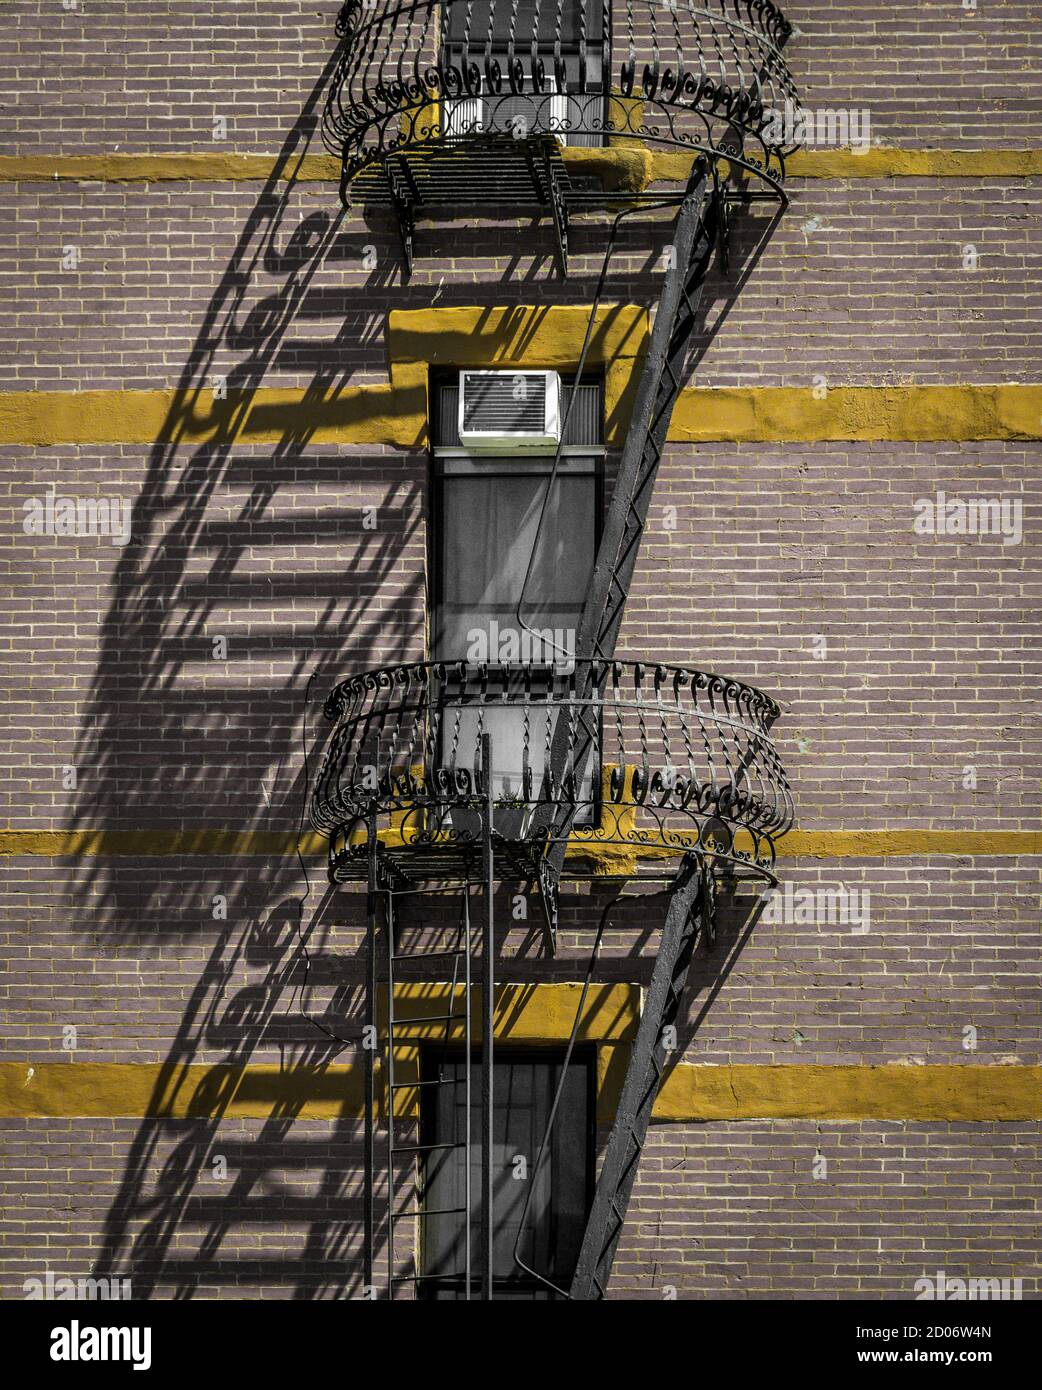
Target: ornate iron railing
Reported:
point(680, 759)
point(419, 74)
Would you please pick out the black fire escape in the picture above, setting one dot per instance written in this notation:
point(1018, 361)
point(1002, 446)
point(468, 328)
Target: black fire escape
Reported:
point(445, 106)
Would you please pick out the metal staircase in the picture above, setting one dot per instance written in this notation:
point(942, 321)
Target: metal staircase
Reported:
point(699, 226)
point(422, 125)
point(697, 231)
point(690, 913)
point(696, 235)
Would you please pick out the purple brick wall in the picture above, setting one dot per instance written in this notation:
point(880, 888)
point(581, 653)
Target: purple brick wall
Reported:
point(930, 665)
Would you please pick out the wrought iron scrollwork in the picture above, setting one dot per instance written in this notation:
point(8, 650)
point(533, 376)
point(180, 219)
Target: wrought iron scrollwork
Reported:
point(681, 760)
point(421, 74)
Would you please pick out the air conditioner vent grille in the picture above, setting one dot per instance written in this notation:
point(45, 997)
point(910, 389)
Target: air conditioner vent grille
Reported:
point(505, 402)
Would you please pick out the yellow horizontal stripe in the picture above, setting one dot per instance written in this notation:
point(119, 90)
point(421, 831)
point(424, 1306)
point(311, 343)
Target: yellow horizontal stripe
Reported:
point(883, 163)
point(956, 1092)
point(630, 166)
point(376, 414)
point(109, 1090)
point(798, 844)
point(82, 844)
point(203, 167)
point(881, 844)
point(523, 1013)
point(396, 415)
point(788, 414)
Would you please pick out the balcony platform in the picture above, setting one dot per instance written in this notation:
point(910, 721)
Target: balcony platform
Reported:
point(441, 104)
point(445, 860)
point(631, 765)
point(506, 175)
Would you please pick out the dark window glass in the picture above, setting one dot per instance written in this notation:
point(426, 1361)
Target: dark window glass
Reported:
point(489, 522)
point(524, 1088)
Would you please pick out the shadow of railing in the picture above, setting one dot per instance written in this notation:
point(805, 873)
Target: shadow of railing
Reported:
point(172, 747)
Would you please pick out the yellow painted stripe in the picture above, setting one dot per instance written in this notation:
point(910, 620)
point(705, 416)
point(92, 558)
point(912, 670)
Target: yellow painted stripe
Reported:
point(396, 415)
point(530, 1013)
point(880, 162)
point(376, 414)
point(888, 163)
point(787, 414)
point(165, 168)
point(957, 1092)
point(109, 1090)
point(883, 844)
point(798, 844)
point(631, 166)
point(81, 844)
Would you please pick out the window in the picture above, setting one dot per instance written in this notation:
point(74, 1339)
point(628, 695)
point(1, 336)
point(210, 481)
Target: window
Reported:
point(486, 522)
point(577, 115)
point(524, 1085)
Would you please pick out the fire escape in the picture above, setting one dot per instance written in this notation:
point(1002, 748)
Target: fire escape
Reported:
point(443, 106)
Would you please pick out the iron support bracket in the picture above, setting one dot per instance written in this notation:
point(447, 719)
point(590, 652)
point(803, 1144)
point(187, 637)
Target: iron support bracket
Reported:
point(404, 198)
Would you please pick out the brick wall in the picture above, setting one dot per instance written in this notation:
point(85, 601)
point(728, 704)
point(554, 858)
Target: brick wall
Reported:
point(930, 665)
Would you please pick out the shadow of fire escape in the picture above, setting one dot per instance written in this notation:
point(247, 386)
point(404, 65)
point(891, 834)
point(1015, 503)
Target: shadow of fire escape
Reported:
point(169, 748)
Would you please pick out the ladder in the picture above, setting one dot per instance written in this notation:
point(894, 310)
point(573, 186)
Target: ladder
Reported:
point(700, 223)
point(384, 1031)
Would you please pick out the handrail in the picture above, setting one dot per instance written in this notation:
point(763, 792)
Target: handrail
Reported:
point(677, 753)
point(706, 76)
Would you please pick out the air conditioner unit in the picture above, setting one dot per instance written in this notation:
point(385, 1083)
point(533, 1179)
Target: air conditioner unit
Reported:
point(509, 411)
point(528, 113)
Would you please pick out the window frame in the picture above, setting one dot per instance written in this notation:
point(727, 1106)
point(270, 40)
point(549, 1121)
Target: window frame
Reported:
point(507, 463)
point(433, 1054)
